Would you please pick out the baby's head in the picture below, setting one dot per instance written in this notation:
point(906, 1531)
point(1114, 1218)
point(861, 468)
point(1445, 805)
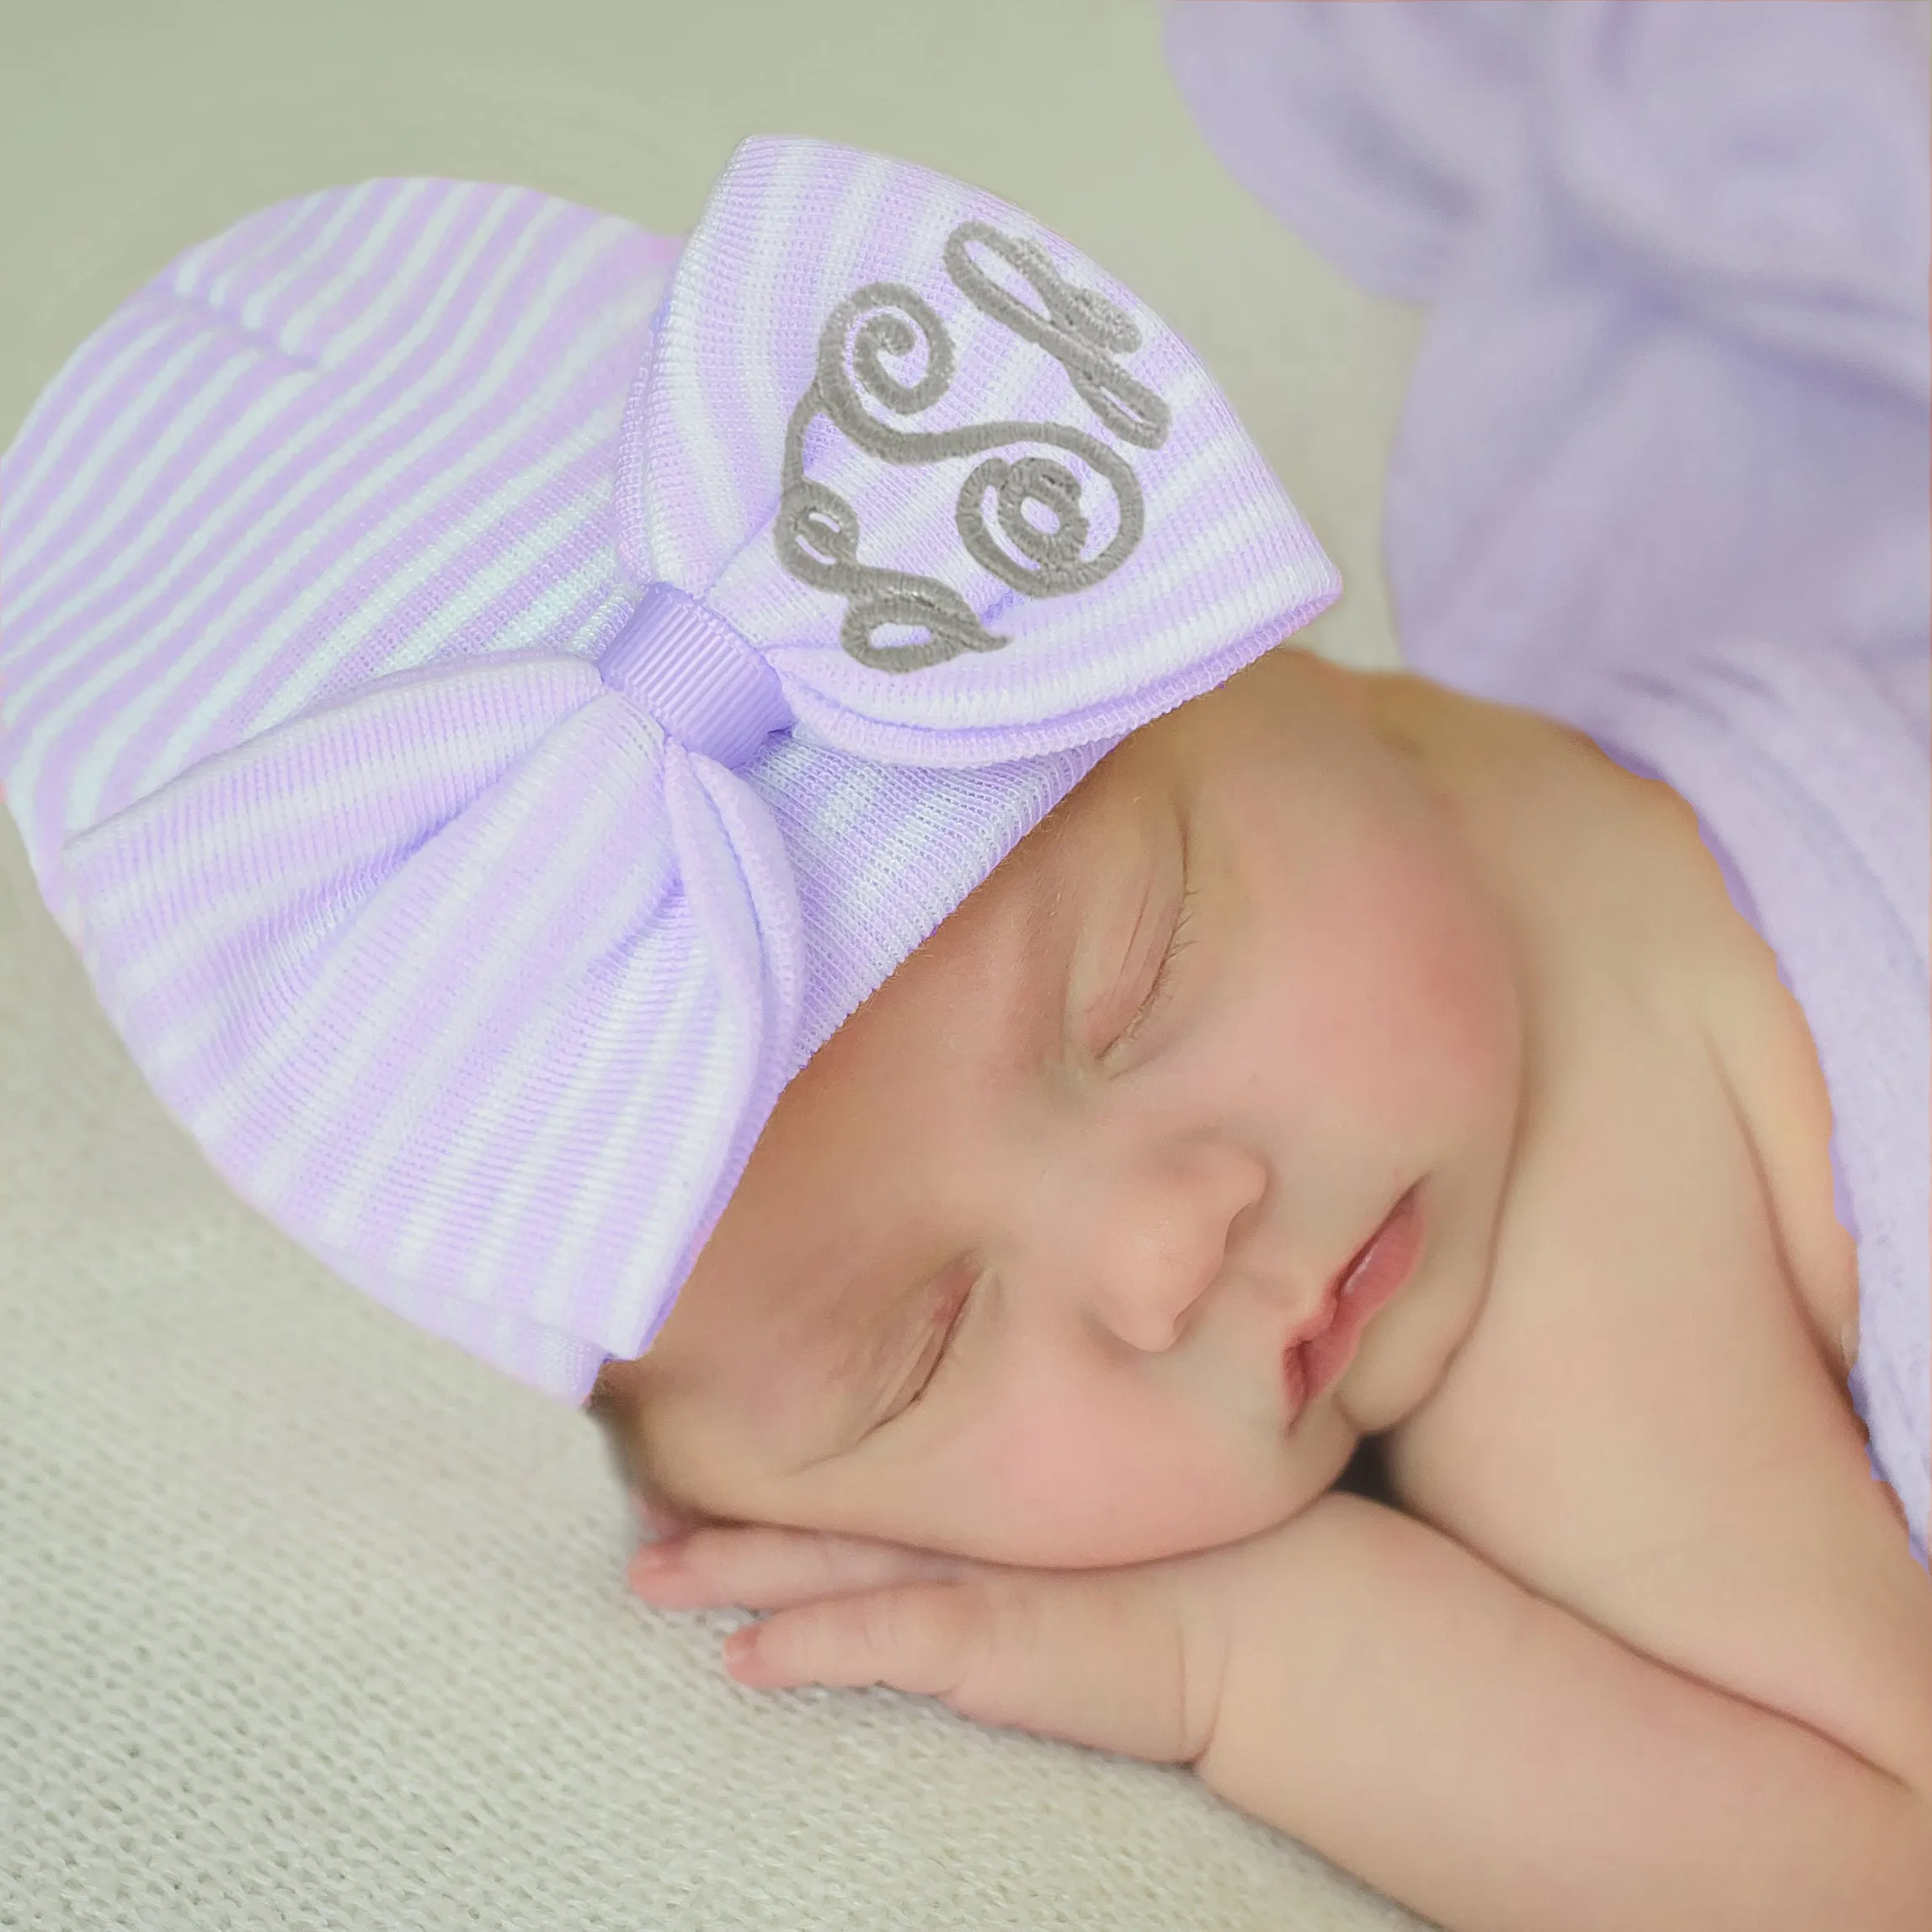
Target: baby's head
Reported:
point(1015, 1265)
point(490, 908)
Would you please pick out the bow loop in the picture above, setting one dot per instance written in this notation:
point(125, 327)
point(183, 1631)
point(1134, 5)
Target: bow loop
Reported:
point(428, 983)
point(973, 500)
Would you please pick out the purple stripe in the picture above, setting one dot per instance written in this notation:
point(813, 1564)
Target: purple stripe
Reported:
point(283, 238)
point(142, 396)
point(324, 291)
point(237, 470)
point(158, 516)
point(58, 411)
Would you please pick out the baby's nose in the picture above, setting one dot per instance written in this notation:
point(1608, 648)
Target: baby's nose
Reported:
point(1162, 1233)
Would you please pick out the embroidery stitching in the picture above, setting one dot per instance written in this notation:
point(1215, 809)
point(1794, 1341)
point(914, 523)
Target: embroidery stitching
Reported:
point(816, 531)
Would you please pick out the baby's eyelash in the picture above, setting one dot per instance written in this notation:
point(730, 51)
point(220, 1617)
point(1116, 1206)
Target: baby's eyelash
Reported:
point(1179, 941)
point(940, 1354)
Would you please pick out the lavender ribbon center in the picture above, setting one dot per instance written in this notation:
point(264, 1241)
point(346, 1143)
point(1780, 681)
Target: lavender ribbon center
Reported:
point(693, 672)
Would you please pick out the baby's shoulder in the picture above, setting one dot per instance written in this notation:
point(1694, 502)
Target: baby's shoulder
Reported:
point(1648, 1423)
point(1625, 899)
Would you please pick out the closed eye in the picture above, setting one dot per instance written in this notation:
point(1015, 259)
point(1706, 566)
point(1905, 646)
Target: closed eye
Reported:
point(1161, 988)
point(938, 1346)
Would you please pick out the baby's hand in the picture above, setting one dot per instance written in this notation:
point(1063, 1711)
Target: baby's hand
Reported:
point(1127, 1660)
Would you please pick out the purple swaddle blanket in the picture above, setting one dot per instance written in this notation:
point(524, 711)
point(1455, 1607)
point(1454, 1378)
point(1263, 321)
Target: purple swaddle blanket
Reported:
point(1663, 469)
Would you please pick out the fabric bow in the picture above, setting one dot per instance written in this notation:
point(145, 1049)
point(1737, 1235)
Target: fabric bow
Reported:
point(481, 978)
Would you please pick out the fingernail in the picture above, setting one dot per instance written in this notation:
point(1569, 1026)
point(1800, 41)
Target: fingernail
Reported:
point(741, 1644)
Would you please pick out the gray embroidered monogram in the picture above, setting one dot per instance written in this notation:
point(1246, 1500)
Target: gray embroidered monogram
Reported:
point(817, 530)
point(1083, 329)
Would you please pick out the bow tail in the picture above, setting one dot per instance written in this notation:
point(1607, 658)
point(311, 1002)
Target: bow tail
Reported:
point(420, 972)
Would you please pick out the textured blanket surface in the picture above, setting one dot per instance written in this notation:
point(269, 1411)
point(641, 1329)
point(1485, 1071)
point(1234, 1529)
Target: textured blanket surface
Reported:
point(305, 1619)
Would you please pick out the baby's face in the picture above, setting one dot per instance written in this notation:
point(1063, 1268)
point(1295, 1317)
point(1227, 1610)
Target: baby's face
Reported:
point(1014, 1268)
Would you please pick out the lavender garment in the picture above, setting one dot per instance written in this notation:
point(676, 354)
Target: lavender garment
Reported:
point(488, 691)
point(1663, 469)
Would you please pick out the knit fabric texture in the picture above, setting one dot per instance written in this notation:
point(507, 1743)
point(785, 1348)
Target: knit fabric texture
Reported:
point(488, 691)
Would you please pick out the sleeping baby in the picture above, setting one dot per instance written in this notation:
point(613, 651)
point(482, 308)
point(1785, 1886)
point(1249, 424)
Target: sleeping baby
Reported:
point(1343, 1062)
point(735, 827)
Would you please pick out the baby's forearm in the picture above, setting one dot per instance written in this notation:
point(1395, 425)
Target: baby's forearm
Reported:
point(1497, 1763)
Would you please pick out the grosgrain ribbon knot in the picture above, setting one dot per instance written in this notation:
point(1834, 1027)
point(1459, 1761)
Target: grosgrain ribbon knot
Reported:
point(693, 673)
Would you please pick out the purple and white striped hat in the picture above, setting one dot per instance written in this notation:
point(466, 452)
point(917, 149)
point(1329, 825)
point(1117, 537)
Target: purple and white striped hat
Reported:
point(487, 690)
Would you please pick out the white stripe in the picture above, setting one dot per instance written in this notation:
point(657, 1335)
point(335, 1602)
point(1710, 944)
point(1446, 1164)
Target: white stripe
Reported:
point(367, 304)
point(291, 334)
point(682, 526)
point(672, 1199)
point(185, 279)
point(78, 509)
point(652, 1051)
point(375, 1023)
point(173, 942)
point(565, 620)
point(182, 276)
point(532, 1047)
point(757, 406)
point(186, 1037)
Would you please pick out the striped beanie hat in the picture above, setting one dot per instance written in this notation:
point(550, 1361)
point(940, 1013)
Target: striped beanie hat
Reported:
point(487, 690)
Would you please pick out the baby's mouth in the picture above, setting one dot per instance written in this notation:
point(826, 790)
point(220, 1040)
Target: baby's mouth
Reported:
point(1324, 1346)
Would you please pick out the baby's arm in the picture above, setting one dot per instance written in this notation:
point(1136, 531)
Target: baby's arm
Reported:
point(1497, 1762)
point(1367, 1684)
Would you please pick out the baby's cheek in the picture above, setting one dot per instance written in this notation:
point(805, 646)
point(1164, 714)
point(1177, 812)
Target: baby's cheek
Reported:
point(1070, 1482)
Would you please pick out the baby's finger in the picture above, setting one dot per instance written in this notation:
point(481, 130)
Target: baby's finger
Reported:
point(912, 1637)
point(760, 1567)
point(1073, 1657)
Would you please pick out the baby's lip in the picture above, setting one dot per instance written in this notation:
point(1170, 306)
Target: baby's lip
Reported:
point(1321, 1316)
point(1297, 1365)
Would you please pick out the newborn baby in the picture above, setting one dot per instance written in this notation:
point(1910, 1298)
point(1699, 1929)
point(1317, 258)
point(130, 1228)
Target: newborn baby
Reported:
point(1343, 1059)
point(733, 826)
